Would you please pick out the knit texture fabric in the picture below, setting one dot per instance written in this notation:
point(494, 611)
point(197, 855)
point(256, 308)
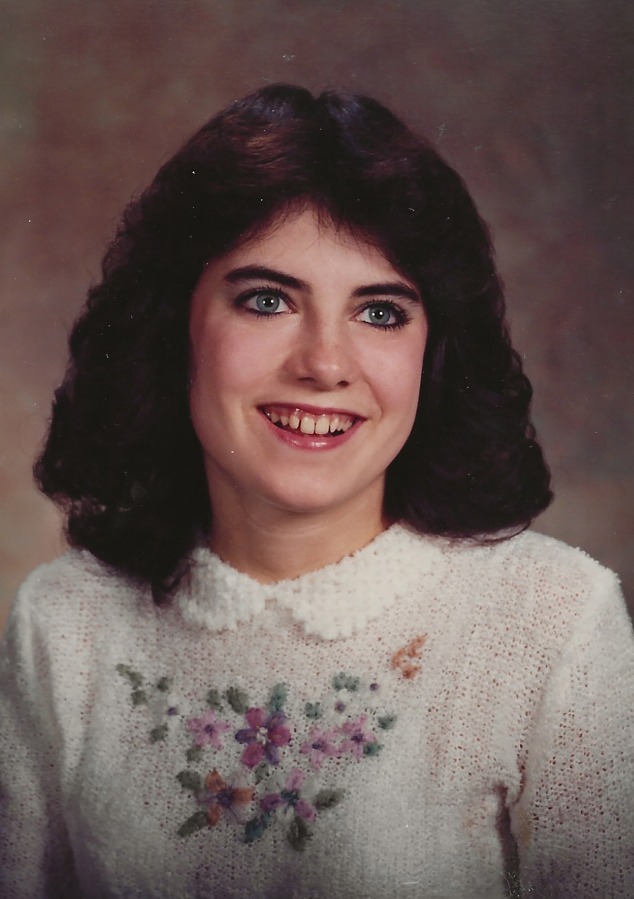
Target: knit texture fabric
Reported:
point(426, 718)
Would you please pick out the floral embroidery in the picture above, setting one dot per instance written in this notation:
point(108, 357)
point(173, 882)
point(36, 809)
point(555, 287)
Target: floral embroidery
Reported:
point(320, 746)
point(258, 794)
point(345, 681)
point(219, 797)
point(263, 737)
point(360, 742)
point(289, 798)
point(403, 658)
point(313, 710)
point(158, 698)
point(138, 696)
point(208, 729)
point(296, 812)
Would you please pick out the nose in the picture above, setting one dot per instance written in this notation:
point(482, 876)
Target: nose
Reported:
point(323, 354)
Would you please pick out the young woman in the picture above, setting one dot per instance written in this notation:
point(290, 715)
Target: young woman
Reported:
point(304, 645)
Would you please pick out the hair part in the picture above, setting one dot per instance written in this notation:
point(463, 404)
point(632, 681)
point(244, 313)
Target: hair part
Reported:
point(122, 458)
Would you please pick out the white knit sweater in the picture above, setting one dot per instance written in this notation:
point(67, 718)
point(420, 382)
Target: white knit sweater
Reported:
point(425, 718)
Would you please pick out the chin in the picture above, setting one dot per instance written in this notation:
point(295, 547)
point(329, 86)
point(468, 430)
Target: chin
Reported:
point(306, 505)
point(321, 499)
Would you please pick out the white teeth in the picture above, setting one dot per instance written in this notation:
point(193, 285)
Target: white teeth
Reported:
point(307, 425)
point(310, 424)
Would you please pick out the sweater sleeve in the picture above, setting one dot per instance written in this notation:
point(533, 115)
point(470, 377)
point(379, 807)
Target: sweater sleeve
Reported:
point(574, 821)
point(35, 856)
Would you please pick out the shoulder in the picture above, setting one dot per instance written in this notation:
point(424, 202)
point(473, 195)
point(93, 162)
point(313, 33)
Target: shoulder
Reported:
point(549, 567)
point(526, 562)
point(73, 574)
point(71, 594)
point(531, 561)
point(530, 583)
point(72, 568)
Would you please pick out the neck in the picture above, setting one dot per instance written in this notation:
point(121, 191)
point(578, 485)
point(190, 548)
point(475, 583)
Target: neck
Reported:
point(271, 544)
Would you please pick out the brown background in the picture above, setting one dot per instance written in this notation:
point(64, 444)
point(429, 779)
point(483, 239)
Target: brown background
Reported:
point(530, 99)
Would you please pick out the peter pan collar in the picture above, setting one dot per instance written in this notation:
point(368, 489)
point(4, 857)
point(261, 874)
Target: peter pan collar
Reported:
point(334, 602)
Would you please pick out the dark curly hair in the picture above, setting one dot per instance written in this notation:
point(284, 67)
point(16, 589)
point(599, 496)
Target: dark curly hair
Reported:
point(121, 456)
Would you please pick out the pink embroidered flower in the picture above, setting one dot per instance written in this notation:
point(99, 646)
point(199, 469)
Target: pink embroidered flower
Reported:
point(289, 799)
point(263, 737)
point(208, 729)
point(220, 797)
point(320, 746)
point(357, 738)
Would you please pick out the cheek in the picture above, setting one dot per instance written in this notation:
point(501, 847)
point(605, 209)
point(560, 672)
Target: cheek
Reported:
point(396, 375)
point(227, 363)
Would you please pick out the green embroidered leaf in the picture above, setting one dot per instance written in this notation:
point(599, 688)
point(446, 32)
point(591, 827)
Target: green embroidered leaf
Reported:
point(343, 681)
point(339, 681)
point(386, 722)
point(139, 697)
point(190, 780)
point(261, 772)
point(214, 701)
point(313, 710)
point(237, 699)
point(198, 821)
point(164, 684)
point(254, 828)
point(279, 694)
point(370, 749)
point(132, 676)
point(194, 753)
point(298, 834)
point(158, 733)
point(328, 798)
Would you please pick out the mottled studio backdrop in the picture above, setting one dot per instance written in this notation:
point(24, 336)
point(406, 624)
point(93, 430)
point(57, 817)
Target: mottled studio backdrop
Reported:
point(530, 99)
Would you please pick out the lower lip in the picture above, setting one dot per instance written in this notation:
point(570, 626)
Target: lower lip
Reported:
point(311, 441)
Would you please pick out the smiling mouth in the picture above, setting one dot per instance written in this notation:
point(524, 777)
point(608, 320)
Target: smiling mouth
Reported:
point(329, 424)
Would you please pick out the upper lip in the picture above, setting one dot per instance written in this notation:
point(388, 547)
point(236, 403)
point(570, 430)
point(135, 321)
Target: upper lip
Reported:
point(312, 410)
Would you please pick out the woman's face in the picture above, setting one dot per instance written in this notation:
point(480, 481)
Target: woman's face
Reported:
point(307, 349)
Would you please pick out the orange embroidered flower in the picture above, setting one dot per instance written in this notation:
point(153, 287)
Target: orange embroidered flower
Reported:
point(220, 797)
point(404, 658)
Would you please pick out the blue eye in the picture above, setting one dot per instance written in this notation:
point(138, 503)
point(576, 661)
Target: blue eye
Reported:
point(265, 302)
point(383, 315)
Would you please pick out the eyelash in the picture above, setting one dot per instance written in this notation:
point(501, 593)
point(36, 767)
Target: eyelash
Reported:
point(401, 315)
point(250, 294)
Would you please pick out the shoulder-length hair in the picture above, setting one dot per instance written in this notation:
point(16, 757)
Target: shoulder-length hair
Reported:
point(121, 456)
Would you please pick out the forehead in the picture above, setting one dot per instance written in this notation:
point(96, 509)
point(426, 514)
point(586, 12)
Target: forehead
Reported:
point(308, 240)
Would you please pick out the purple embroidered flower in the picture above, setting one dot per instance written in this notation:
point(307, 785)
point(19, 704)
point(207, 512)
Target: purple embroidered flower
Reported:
point(220, 798)
point(263, 737)
point(208, 729)
point(357, 737)
point(320, 746)
point(288, 799)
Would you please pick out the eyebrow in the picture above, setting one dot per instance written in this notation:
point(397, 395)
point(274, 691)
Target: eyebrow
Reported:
point(254, 272)
point(385, 288)
point(389, 289)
